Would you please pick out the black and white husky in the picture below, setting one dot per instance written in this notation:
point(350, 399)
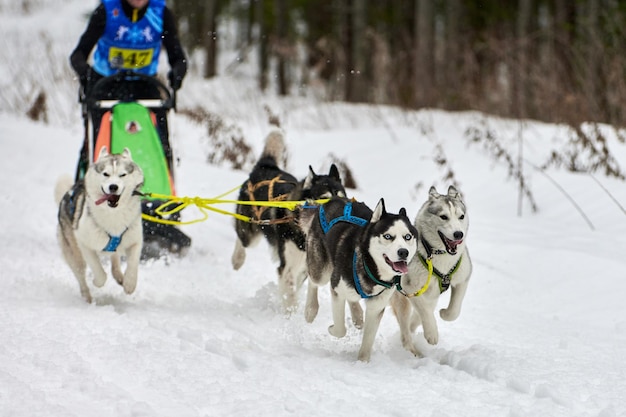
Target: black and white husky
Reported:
point(101, 215)
point(442, 224)
point(363, 254)
point(269, 182)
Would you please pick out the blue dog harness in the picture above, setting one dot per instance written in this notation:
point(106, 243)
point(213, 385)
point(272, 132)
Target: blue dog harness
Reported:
point(346, 217)
point(114, 242)
point(358, 221)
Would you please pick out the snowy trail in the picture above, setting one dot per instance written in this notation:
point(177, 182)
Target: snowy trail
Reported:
point(540, 333)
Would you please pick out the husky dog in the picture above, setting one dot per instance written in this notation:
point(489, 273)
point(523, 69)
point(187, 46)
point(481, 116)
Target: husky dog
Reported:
point(101, 214)
point(363, 254)
point(442, 224)
point(269, 182)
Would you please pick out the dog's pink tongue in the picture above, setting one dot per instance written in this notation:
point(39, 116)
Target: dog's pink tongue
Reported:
point(102, 199)
point(400, 267)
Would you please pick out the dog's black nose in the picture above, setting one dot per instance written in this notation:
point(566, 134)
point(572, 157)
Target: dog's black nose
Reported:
point(458, 235)
point(113, 188)
point(403, 253)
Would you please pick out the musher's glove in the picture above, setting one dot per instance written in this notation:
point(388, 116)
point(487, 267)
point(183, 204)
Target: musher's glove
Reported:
point(176, 80)
point(87, 80)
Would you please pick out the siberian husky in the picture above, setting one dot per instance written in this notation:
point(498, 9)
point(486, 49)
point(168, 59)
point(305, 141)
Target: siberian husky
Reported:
point(442, 224)
point(269, 182)
point(101, 215)
point(363, 255)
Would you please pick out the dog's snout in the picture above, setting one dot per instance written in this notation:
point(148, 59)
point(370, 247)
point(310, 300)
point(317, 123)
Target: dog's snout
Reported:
point(458, 235)
point(403, 253)
point(113, 188)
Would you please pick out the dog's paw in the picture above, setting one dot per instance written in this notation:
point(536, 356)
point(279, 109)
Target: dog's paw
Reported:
point(99, 279)
point(448, 314)
point(129, 283)
point(310, 312)
point(431, 336)
point(357, 315)
point(364, 356)
point(337, 331)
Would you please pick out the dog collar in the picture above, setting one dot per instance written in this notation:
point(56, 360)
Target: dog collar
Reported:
point(346, 217)
point(429, 248)
point(357, 282)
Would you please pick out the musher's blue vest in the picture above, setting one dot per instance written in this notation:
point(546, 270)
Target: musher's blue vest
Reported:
point(130, 46)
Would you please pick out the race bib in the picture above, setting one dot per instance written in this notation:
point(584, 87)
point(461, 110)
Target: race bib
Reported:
point(130, 58)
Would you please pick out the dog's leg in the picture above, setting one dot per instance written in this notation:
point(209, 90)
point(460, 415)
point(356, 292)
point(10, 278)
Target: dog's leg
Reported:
point(338, 328)
point(403, 311)
point(133, 255)
point(76, 262)
point(456, 300)
point(312, 303)
point(93, 260)
point(357, 313)
point(291, 273)
point(116, 268)
point(374, 310)
point(425, 306)
point(239, 255)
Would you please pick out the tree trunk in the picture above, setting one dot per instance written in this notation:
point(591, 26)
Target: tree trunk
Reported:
point(425, 56)
point(210, 38)
point(281, 45)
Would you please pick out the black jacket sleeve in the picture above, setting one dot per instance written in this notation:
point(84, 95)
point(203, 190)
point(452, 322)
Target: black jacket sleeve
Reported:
point(88, 40)
point(175, 53)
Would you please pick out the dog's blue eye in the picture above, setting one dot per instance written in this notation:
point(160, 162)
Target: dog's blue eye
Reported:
point(408, 237)
point(443, 217)
point(387, 236)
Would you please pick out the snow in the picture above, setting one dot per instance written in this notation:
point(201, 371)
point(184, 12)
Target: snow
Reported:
point(542, 331)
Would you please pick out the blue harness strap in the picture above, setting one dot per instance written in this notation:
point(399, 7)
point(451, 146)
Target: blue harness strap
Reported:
point(346, 217)
point(114, 242)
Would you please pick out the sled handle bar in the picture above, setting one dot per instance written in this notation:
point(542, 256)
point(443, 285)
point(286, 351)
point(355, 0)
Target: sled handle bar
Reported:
point(148, 102)
point(123, 80)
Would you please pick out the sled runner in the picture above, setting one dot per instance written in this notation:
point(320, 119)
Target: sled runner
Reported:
point(129, 110)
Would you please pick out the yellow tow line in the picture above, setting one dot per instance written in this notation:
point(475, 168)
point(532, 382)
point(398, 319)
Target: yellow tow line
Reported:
point(174, 204)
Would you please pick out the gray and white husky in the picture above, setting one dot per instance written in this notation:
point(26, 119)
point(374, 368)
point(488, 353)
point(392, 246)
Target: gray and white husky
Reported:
point(363, 254)
point(442, 224)
point(269, 182)
point(101, 215)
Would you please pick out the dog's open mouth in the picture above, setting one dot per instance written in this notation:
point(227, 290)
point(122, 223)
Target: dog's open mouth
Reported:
point(451, 245)
point(400, 266)
point(111, 199)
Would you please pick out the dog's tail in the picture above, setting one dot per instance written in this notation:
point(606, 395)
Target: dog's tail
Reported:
point(275, 148)
point(62, 186)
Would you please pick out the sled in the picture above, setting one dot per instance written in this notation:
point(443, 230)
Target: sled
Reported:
point(120, 111)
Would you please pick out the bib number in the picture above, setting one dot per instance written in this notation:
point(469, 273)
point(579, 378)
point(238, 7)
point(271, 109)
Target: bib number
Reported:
point(130, 58)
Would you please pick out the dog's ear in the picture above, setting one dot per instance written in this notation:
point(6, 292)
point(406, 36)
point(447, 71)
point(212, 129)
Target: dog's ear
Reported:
point(378, 211)
point(334, 173)
point(126, 153)
point(452, 192)
point(403, 212)
point(103, 152)
point(308, 181)
point(432, 193)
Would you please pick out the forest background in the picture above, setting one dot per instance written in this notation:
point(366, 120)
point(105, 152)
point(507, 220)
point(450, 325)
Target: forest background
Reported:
point(559, 61)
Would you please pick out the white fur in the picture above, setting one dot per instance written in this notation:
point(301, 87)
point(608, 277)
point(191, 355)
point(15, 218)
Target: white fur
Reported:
point(416, 310)
point(83, 242)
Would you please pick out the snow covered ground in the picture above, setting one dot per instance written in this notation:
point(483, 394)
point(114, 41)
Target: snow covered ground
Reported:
point(542, 332)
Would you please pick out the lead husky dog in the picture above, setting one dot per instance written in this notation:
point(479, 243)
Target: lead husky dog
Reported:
point(101, 215)
point(269, 182)
point(363, 254)
point(442, 224)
